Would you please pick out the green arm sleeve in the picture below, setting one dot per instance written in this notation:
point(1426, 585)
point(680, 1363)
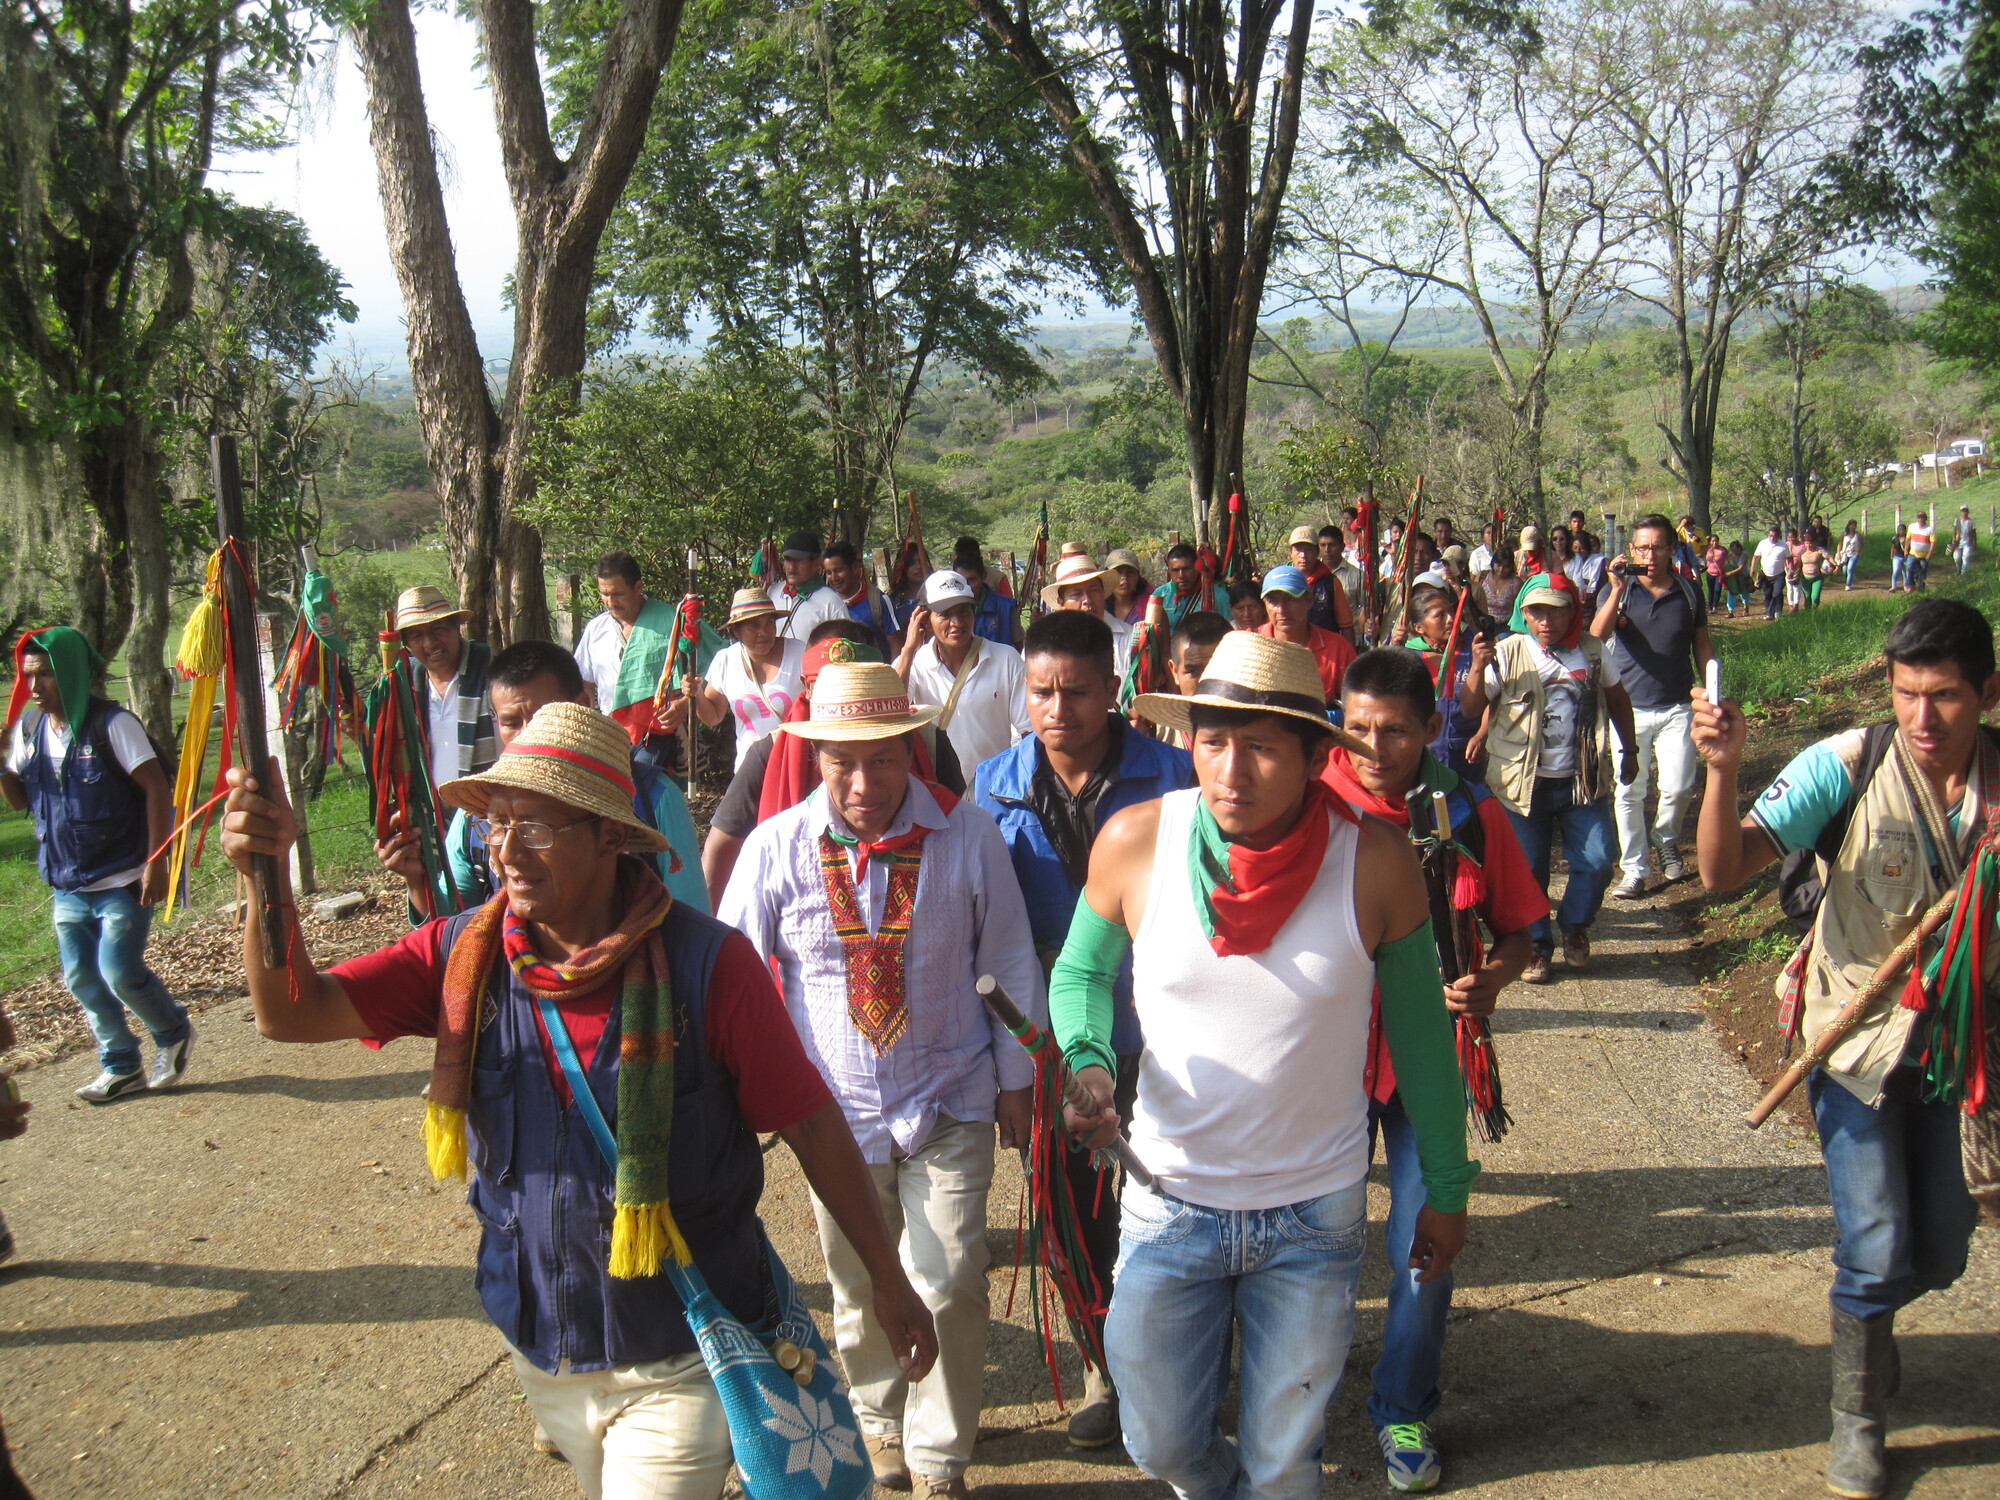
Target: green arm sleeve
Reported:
point(1080, 988)
point(1418, 1030)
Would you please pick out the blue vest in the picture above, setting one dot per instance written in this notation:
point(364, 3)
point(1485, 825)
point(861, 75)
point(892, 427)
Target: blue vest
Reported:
point(90, 816)
point(1147, 768)
point(543, 1193)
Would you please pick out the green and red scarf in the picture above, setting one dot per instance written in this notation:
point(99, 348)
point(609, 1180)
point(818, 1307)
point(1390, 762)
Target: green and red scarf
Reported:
point(643, 1231)
point(1243, 895)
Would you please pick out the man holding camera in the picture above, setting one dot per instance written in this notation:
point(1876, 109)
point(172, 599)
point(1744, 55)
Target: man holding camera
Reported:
point(1656, 626)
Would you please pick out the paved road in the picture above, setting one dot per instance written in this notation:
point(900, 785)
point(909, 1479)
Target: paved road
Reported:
point(250, 1287)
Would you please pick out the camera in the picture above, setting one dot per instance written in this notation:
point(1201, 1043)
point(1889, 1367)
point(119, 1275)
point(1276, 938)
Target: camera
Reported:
point(1624, 569)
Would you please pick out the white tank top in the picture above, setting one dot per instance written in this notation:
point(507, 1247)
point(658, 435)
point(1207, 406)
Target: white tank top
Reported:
point(1250, 1087)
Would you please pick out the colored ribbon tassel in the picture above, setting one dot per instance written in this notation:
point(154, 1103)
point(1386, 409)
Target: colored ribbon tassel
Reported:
point(1060, 1279)
point(401, 797)
point(1036, 573)
point(1478, 1064)
point(1468, 882)
point(315, 686)
point(1146, 669)
point(1950, 992)
point(201, 659)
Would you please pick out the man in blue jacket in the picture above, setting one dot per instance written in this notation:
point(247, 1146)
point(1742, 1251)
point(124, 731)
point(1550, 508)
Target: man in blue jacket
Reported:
point(1050, 794)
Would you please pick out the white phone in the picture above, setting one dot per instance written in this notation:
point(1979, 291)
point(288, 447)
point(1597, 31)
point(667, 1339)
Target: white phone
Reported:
point(1715, 681)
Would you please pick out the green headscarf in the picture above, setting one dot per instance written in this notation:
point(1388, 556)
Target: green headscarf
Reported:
point(75, 661)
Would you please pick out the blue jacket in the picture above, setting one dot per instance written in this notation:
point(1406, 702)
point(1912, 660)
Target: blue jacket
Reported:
point(994, 615)
point(90, 816)
point(1147, 768)
point(543, 1194)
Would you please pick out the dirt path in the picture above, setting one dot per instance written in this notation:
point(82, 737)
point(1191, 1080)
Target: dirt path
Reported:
point(249, 1287)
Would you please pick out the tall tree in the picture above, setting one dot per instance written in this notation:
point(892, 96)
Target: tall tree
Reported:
point(850, 191)
point(564, 186)
point(113, 114)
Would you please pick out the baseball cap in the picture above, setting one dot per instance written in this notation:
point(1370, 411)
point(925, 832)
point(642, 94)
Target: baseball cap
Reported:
point(1286, 580)
point(1303, 536)
point(945, 588)
point(1540, 590)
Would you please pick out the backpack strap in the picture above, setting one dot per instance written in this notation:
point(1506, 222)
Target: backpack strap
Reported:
point(1874, 750)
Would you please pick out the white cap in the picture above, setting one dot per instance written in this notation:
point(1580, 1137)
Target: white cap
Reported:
point(947, 587)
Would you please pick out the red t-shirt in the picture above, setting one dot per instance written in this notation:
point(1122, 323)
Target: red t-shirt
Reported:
point(398, 990)
point(1332, 654)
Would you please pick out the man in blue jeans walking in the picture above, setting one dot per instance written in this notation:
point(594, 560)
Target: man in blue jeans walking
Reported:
point(1902, 807)
point(1259, 910)
point(85, 770)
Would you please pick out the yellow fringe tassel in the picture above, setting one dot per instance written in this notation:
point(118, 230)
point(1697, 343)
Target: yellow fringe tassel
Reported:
point(641, 1236)
point(200, 659)
point(444, 1142)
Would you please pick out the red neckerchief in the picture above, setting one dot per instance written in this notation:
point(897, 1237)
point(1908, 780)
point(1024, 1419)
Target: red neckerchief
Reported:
point(913, 838)
point(1263, 886)
point(1339, 775)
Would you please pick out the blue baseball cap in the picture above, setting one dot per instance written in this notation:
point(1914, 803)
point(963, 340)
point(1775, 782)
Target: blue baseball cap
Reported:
point(1287, 580)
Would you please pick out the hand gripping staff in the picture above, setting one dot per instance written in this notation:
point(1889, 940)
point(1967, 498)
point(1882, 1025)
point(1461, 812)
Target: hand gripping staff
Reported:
point(1053, 1235)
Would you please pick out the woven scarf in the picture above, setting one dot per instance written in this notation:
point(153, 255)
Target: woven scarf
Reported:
point(877, 1001)
point(642, 1225)
point(1243, 895)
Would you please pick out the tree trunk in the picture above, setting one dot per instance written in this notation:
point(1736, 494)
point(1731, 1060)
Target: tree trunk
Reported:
point(150, 683)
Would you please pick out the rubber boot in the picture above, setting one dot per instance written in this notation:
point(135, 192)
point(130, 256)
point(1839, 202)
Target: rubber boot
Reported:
point(1865, 1370)
point(1094, 1424)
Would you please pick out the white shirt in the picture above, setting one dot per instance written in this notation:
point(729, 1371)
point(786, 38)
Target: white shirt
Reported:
point(444, 727)
point(128, 743)
point(1121, 642)
point(1771, 554)
point(969, 920)
point(599, 650)
point(1563, 676)
point(1480, 560)
point(758, 710)
point(992, 708)
point(803, 615)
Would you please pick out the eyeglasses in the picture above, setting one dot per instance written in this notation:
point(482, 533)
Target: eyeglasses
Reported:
point(534, 835)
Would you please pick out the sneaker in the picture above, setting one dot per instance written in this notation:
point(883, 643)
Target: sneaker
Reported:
point(1094, 1424)
point(170, 1064)
point(1631, 888)
point(1672, 867)
point(108, 1085)
point(885, 1457)
point(1410, 1456)
point(951, 1489)
point(1576, 949)
point(1537, 972)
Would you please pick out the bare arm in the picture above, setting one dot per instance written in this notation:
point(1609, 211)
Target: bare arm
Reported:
point(1472, 699)
point(840, 1179)
point(12, 792)
point(151, 780)
point(718, 861)
point(1620, 703)
point(709, 705)
point(255, 824)
point(1121, 867)
point(1727, 851)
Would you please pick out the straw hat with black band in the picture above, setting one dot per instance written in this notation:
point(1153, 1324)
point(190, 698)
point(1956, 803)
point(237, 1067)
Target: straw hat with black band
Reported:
point(572, 754)
point(1254, 672)
point(859, 700)
point(424, 605)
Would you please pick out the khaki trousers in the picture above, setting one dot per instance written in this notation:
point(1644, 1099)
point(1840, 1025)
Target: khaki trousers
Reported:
point(640, 1432)
point(934, 1202)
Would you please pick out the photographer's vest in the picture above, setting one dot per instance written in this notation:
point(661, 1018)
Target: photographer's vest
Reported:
point(90, 816)
point(1514, 741)
point(1889, 872)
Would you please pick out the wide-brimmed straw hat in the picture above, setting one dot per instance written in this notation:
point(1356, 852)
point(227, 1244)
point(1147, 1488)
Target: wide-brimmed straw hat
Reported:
point(424, 605)
point(1258, 673)
point(570, 753)
point(1073, 569)
point(859, 700)
point(749, 604)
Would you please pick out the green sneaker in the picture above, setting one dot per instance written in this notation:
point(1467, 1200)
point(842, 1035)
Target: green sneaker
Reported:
point(1410, 1456)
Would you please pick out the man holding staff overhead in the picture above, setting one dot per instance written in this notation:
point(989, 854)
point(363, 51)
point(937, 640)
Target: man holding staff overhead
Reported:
point(1259, 911)
point(671, 1023)
point(1895, 814)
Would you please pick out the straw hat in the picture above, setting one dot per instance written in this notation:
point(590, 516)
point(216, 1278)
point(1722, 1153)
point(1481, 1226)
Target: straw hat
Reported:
point(749, 604)
point(1303, 536)
point(859, 700)
point(571, 753)
point(1073, 569)
point(424, 605)
point(1255, 672)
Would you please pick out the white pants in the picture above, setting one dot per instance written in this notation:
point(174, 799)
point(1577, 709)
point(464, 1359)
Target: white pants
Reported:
point(1665, 733)
point(934, 1202)
point(640, 1432)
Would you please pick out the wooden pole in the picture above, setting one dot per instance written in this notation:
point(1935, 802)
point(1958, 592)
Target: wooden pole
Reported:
point(271, 640)
point(253, 744)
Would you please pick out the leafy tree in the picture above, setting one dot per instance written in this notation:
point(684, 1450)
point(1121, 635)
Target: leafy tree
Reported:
point(853, 194)
point(1782, 460)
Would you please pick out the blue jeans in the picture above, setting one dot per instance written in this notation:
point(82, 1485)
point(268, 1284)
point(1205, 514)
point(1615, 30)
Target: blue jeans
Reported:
point(1587, 845)
point(1901, 1212)
point(102, 938)
point(1847, 569)
point(1899, 572)
point(1919, 569)
point(1286, 1278)
point(1406, 1376)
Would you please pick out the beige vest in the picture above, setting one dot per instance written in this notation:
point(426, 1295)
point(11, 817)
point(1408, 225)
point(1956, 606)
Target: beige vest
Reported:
point(1514, 741)
point(1876, 891)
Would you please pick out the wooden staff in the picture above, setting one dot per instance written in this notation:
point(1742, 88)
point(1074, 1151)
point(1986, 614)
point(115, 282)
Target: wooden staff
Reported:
point(245, 682)
point(1855, 1011)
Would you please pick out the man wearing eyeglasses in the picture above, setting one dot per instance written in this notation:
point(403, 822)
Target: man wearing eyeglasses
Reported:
point(1656, 627)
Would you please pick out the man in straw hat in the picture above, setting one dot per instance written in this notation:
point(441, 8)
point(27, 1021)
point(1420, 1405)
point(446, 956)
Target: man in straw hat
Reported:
point(1079, 584)
point(1556, 698)
point(585, 966)
point(447, 677)
point(881, 899)
point(1259, 912)
point(1894, 813)
point(757, 678)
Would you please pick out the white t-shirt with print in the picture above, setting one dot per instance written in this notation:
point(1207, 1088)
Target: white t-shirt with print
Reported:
point(128, 742)
point(757, 710)
point(1564, 673)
